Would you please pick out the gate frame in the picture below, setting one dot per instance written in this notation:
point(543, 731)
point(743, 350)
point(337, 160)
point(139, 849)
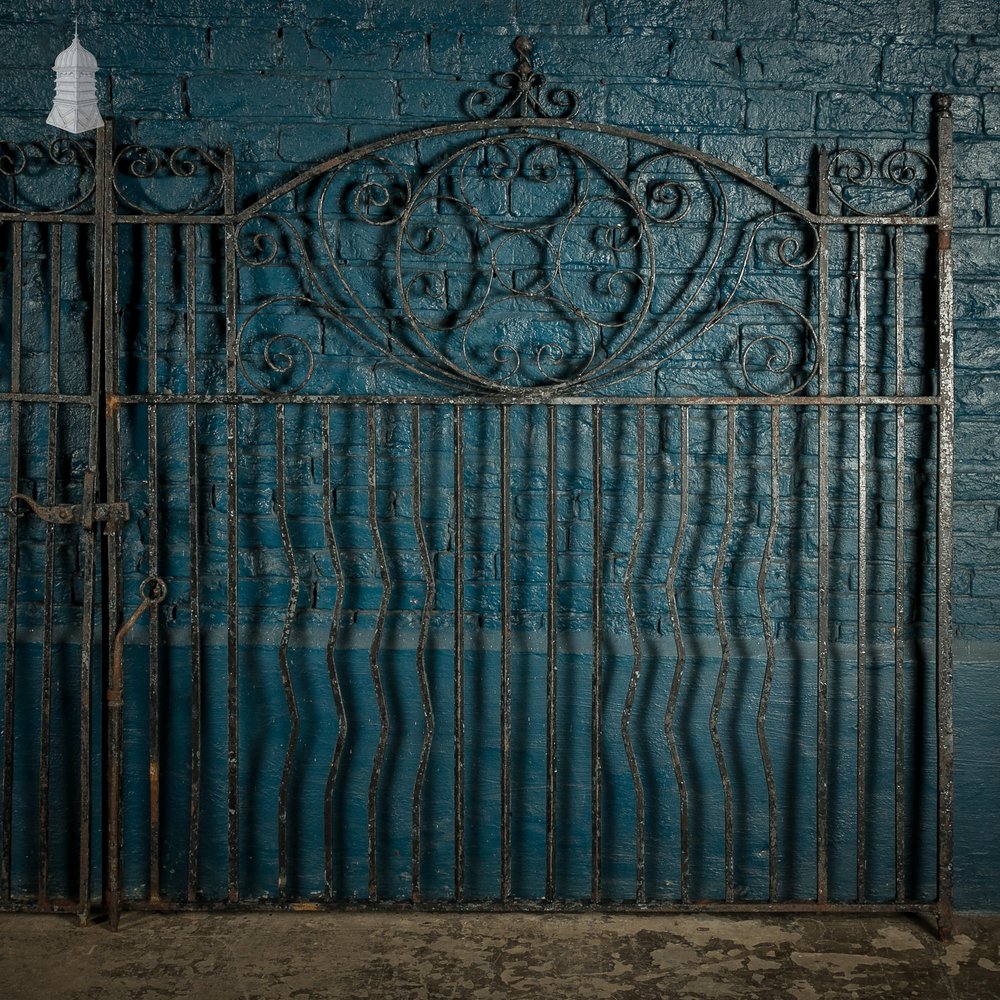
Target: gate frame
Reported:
point(521, 112)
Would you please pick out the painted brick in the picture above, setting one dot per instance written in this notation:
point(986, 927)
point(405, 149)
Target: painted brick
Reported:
point(346, 13)
point(260, 95)
point(978, 301)
point(31, 91)
point(686, 16)
point(967, 17)
point(672, 107)
point(564, 59)
point(977, 67)
point(977, 346)
point(367, 52)
point(974, 252)
point(970, 207)
point(761, 18)
point(790, 159)
point(917, 18)
point(444, 51)
point(242, 47)
point(22, 47)
point(991, 113)
point(780, 110)
point(979, 394)
point(429, 14)
point(822, 17)
point(809, 63)
point(748, 153)
point(980, 161)
point(911, 65)
point(705, 62)
point(148, 95)
point(853, 112)
point(980, 438)
point(437, 99)
point(302, 143)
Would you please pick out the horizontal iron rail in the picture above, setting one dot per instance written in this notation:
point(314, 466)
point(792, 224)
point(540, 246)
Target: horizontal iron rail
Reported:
point(187, 219)
point(514, 905)
point(208, 399)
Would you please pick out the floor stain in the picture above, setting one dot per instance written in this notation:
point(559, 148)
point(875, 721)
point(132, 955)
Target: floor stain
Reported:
point(494, 957)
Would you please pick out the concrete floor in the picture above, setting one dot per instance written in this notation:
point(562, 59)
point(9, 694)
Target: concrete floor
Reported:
point(279, 956)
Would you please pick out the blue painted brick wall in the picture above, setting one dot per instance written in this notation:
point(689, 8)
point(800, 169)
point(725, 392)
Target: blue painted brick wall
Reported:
point(755, 81)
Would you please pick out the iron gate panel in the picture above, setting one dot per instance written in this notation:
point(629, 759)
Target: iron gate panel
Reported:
point(513, 527)
point(51, 242)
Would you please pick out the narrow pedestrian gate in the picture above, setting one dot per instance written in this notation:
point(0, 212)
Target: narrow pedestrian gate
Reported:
point(518, 513)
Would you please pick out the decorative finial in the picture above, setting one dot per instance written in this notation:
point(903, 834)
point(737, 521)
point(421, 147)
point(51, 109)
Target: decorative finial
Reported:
point(524, 84)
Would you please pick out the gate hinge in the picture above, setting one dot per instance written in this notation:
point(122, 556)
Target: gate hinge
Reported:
point(85, 514)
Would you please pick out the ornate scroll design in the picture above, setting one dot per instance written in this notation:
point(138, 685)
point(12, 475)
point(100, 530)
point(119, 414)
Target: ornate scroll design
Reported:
point(526, 97)
point(187, 180)
point(525, 264)
point(903, 182)
point(52, 178)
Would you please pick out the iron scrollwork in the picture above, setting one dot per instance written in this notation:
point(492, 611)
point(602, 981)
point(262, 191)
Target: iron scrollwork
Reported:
point(903, 182)
point(539, 256)
point(50, 178)
point(187, 180)
point(527, 263)
point(526, 96)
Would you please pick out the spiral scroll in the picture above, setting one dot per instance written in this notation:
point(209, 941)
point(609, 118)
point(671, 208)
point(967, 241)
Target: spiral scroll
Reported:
point(187, 180)
point(525, 95)
point(905, 181)
point(56, 177)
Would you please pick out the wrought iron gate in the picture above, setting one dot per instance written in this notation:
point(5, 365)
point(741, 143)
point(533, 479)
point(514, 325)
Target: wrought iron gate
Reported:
point(519, 513)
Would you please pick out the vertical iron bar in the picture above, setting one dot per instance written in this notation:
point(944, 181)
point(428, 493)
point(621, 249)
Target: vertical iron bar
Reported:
point(153, 474)
point(17, 237)
point(597, 600)
point(113, 582)
point(765, 694)
point(675, 623)
point(505, 678)
point(191, 332)
point(862, 688)
point(232, 542)
point(900, 557)
point(425, 618)
point(823, 540)
point(459, 440)
point(52, 453)
point(331, 649)
point(633, 625)
point(720, 624)
point(551, 650)
point(945, 520)
point(286, 678)
point(373, 659)
point(102, 161)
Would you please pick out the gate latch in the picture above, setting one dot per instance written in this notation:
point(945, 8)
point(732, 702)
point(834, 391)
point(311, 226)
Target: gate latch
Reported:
point(85, 514)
